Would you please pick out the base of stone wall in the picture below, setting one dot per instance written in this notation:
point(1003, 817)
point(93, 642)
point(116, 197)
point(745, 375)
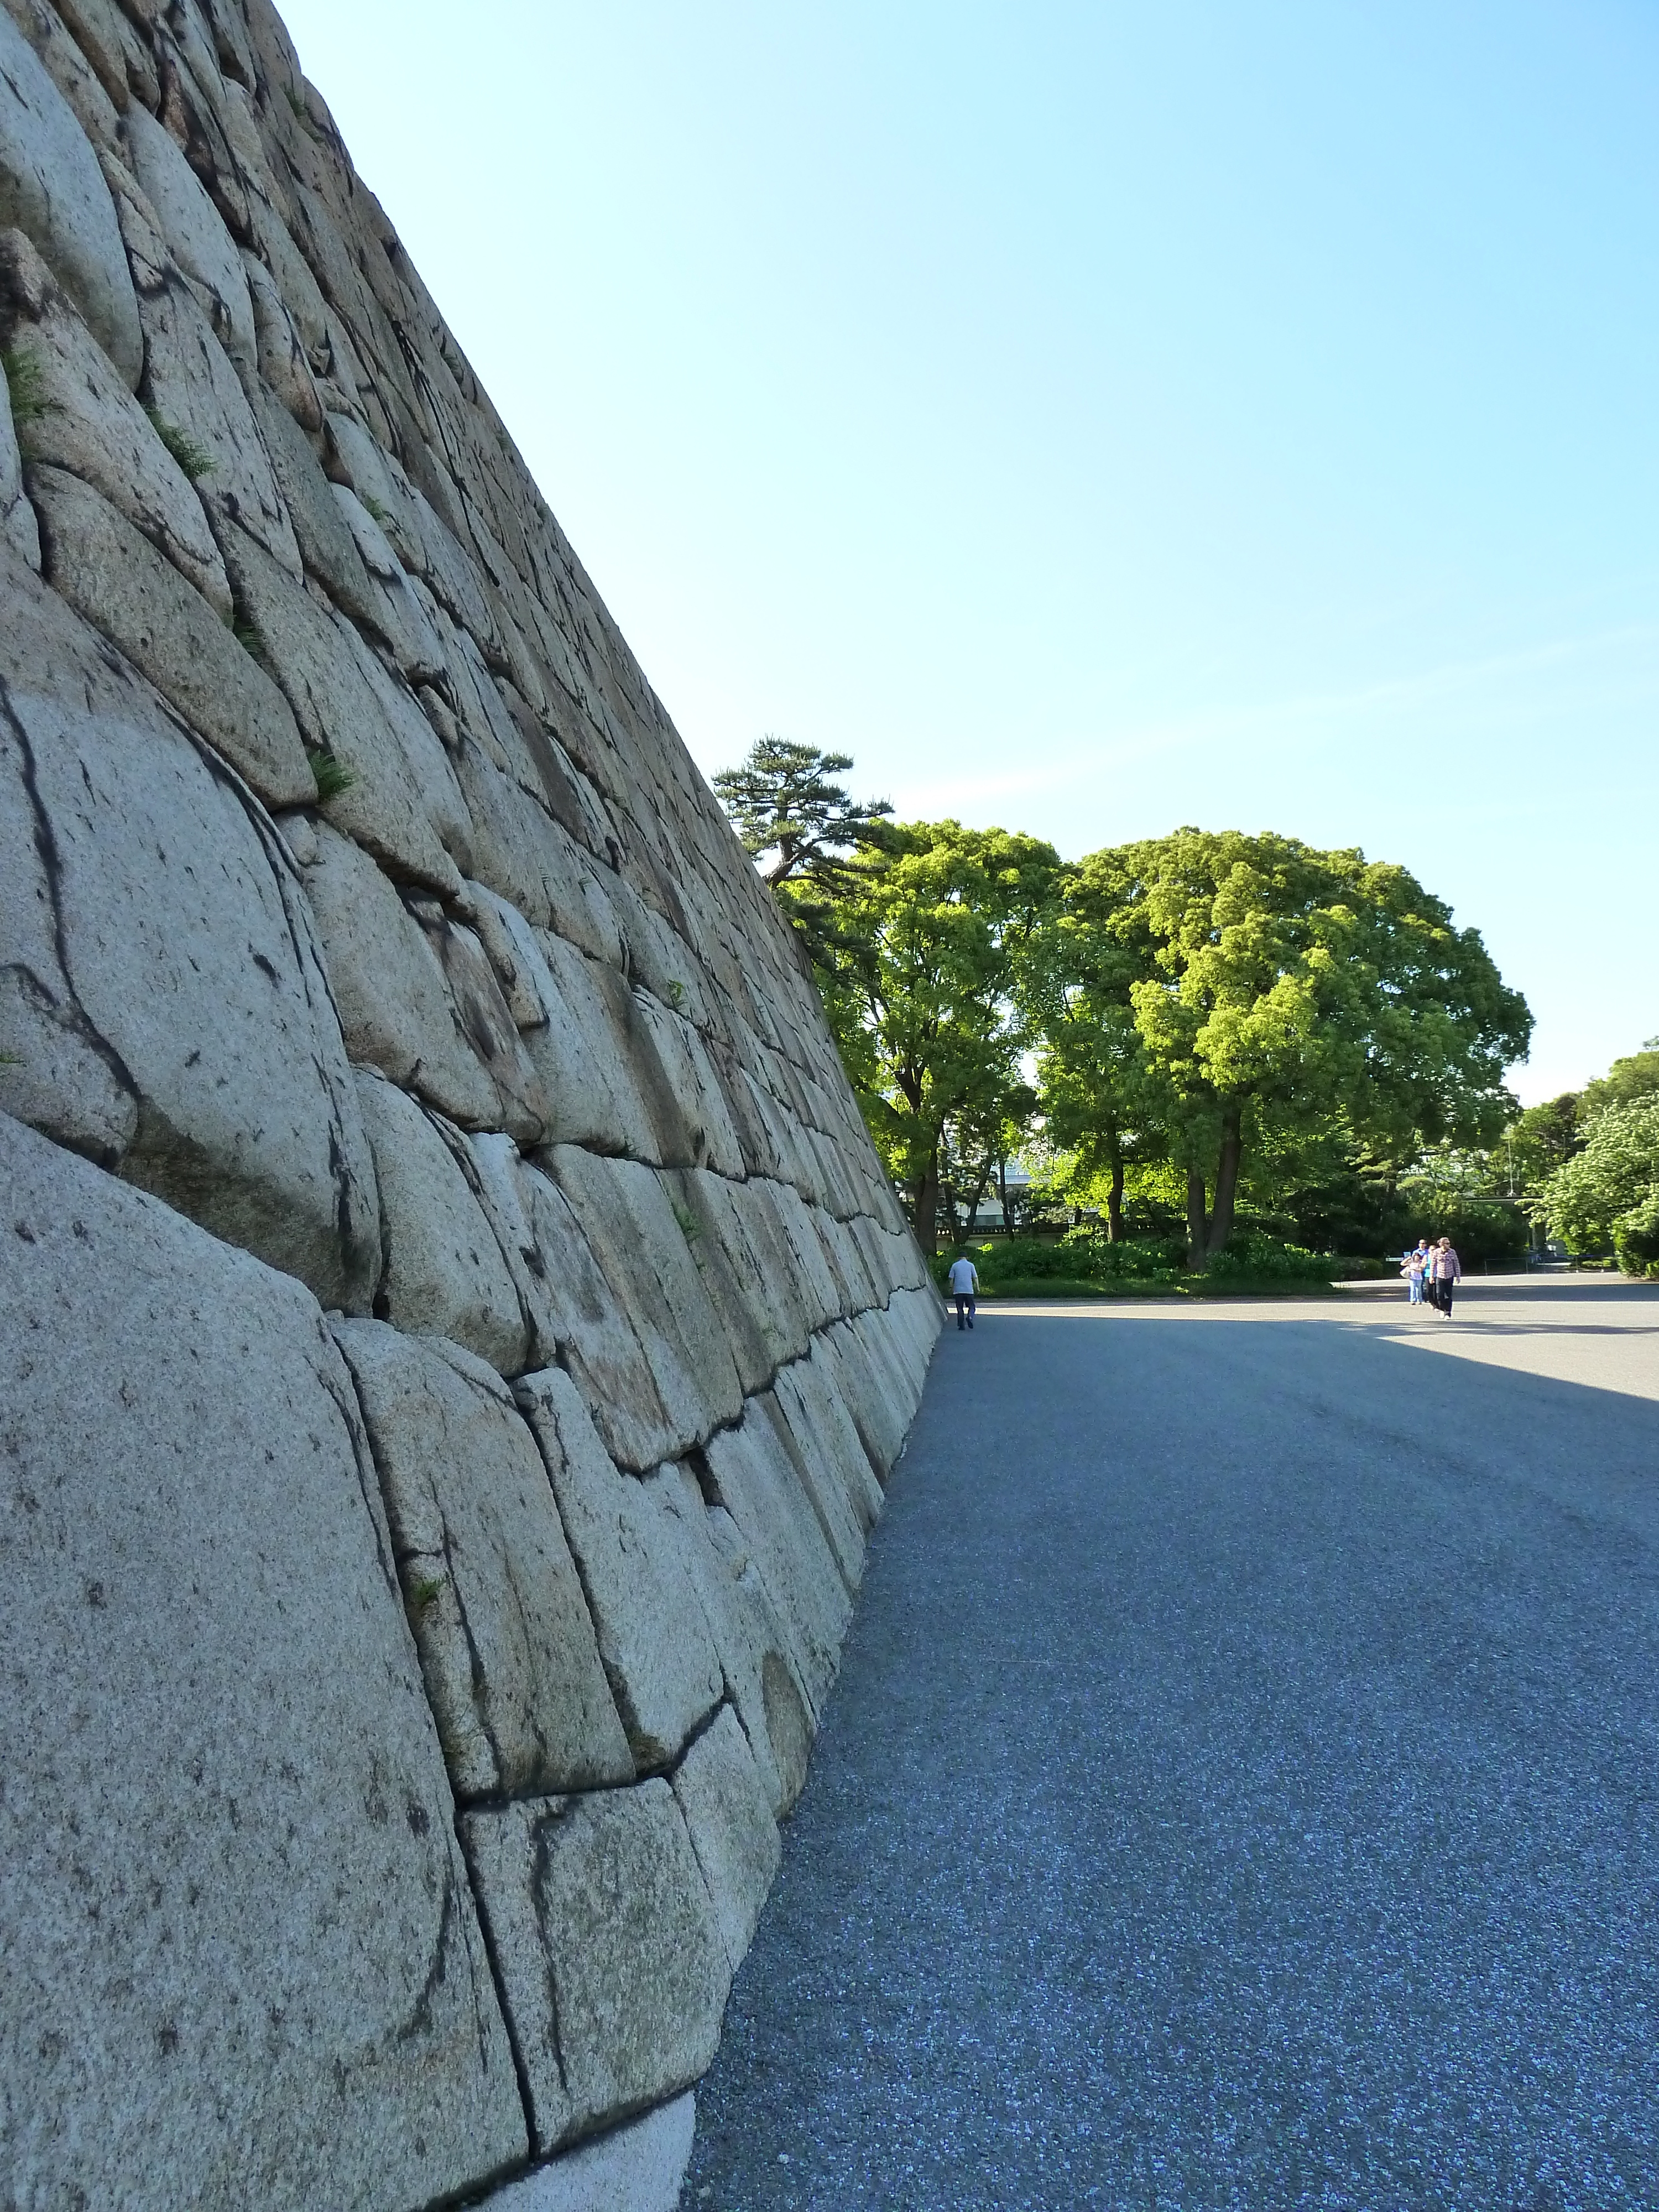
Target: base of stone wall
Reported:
point(636, 2168)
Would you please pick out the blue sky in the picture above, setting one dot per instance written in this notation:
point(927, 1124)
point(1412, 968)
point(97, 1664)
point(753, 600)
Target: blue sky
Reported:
point(1098, 418)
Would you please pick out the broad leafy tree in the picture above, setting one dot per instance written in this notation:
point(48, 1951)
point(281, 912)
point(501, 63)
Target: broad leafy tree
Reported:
point(1279, 997)
point(1608, 1192)
point(923, 984)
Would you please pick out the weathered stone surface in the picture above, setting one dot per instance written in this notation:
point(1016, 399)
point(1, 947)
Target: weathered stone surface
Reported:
point(792, 1422)
point(398, 615)
point(194, 232)
point(711, 1139)
point(638, 2167)
point(113, 576)
point(279, 359)
point(242, 1959)
point(395, 1008)
point(576, 1312)
point(648, 1257)
point(611, 1956)
point(595, 1092)
point(316, 664)
point(813, 1385)
point(444, 1274)
point(420, 745)
point(654, 1639)
point(68, 68)
point(88, 421)
point(193, 388)
point(483, 1018)
point(719, 1791)
point(52, 187)
point(762, 1677)
point(754, 1479)
point(164, 952)
point(507, 1648)
point(17, 523)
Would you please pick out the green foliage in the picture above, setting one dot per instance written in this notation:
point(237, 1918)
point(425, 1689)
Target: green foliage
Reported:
point(923, 990)
point(783, 804)
point(1608, 1195)
point(1627, 1080)
point(26, 389)
point(374, 507)
point(246, 634)
point(192, 457)
point(1086, 1259)
point(690, 1227)
point(333, 777)
point(1540, 1140)
point(1256, 1000)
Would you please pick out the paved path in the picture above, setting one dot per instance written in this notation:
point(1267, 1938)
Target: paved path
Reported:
point(1242, 1787)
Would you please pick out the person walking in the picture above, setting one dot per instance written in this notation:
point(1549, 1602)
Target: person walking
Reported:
point(1448, 1272)
point(964, 1288)
point(1414, 1267)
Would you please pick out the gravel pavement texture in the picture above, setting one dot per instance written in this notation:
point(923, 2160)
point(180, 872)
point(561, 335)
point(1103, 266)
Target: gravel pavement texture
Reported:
point(1243, 1785)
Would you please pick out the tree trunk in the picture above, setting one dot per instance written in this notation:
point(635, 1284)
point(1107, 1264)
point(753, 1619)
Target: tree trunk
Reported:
point(977, 1200)
point(1195, 1253)
point(1002, 1194)
point(1115, 1200)
point(1226, 1175)
point(925, 1206)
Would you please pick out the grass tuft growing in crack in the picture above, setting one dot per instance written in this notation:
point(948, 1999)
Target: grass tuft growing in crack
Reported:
point(370, 505)
point(26, 389)
point(690, 1227)
point(423, 1596)
point(333, 777)
point(192, 457)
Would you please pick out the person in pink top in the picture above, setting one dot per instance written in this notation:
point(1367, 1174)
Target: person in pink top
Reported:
point(1447, 1271)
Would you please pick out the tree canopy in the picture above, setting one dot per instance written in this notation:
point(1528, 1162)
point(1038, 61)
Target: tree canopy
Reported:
point(1207, 1013)
point(795, 822)
point(923, 986)
point(1252, 994)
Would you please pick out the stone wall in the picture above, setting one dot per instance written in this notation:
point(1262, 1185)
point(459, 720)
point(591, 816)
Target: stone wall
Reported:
point(455, 1327)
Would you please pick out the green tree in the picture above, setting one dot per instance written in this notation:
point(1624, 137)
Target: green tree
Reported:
point(1608, 1192)
point(1286, 1003)
point(796, 825)
point(1635, 1077)
point(1540, 1140)
point(923, 984)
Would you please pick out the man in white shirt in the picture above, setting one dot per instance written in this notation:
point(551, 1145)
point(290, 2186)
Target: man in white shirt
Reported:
point(964, 1288)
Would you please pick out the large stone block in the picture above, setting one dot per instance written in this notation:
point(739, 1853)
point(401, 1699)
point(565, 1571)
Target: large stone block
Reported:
point(798, 1417)
point(638, 2167)
point(194, 230)
point(646, 1253)
point(110, 573)
point(762, 1677)
point(395, 1007)
point(163, 998)
point(242, 1960)
point(444, 1274)
point(574, 1310)
point(612, 1960)
point(583, 1057)
point(653, 1637)
point(52, 187)
point(314, 659)
point(86, 421)
point(507, 1647)
point(719, 1791)
point(756, 1481)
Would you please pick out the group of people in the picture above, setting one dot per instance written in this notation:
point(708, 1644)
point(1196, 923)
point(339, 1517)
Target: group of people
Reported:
point(1431, 1274)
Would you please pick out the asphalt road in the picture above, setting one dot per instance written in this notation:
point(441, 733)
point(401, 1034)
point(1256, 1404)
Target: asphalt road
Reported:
point(1242, 1786)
